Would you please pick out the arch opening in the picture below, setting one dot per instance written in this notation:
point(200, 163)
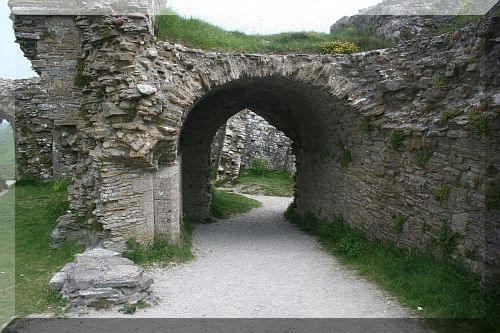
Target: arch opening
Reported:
point(304, 113)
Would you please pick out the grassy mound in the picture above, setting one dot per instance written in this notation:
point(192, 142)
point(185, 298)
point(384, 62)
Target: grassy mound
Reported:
point(272, 183)
point(225, 204)
point(196, 33)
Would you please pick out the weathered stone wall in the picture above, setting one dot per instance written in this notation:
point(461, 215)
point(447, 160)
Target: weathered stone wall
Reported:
point(404, 134)
point(246, 137)
point(47, 108)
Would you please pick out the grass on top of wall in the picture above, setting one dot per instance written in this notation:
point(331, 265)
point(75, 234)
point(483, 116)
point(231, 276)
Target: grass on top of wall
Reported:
point(443, 289)
point(196, 33)
point(224, 204)
point(37, 207)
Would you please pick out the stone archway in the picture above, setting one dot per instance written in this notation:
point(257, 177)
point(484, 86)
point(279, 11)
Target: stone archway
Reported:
point(307, 115)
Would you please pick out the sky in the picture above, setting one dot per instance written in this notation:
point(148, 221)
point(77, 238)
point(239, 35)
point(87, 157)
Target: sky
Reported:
point(256, 16)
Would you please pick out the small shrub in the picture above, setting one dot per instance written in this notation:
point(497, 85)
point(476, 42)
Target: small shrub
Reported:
point(446, 239)
point(48, 33)
point(101, 304)
point(81, 80)
point(346, 158)
point(477, 121)
point(492, 199)
point(366, 127)
point(129, 309)
point(448, 114)
point(259, 166)
point(396, 138)
point(441, 81)
point(339, 47)
point(399, 224)
point(424, 154)
point(442, 193)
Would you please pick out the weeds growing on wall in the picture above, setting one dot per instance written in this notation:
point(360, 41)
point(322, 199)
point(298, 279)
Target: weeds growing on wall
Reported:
point(196, 33)
point(442, 288)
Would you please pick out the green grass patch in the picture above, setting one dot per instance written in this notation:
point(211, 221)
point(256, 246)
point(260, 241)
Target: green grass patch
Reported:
point(456, 23)
point(271, 183)
point(396, 139)
point(161, 251)
point(38, 205)
point(442, 193)
point(448, 114)
point(478, 122)
point(224, 204)
point(423, 156)
point(444, 289)
point(196, 33)
point(7, 257)
point(7, 153)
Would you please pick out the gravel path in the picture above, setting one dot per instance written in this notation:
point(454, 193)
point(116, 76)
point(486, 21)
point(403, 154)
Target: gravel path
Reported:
point(259, 265)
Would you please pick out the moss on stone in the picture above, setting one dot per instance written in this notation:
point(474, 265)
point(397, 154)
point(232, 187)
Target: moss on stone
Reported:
point(424, 154)
point(492, 199)
point(399, 224)
point(442, 193)
point(81, 80)
point(448, 114)
point(396, 138)
point(346, 158)
point(477, 121)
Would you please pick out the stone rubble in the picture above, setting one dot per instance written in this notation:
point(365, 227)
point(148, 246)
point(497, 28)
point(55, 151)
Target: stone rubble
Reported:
point(100, 277)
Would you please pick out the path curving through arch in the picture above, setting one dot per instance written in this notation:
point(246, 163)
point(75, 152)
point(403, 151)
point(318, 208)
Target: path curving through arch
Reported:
point(259, 265)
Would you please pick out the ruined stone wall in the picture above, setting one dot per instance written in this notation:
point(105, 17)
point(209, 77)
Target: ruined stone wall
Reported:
point(47, 108)
point(406, 134)
point(246, 137)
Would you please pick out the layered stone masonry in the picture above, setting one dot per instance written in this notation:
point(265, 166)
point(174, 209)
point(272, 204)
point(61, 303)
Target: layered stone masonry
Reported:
point(404, 134)
point(246, 137)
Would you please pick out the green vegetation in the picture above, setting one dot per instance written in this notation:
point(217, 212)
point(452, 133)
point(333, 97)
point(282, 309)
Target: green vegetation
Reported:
point(339, 47)
point(444, 289)
point(424, 154)
point(441, 81)
point(448, 114)
point(396, 138)
point(366, 127)
point(446, 239)
point(7, 257)
point(493, 196)
point(7, 153)
point(130, 309)
point(161, 251)
point(224, 204)
point(81, 80)
point(38, 205)
point(195, 33)
point(272, 183)
point(456, 23)
point(478, 123)
point(399, 224)
point(259, 167)
point(346, 158)
point(442, 193)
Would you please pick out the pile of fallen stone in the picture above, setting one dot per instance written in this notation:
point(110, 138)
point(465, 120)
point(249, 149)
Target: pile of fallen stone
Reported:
point(100, 277)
